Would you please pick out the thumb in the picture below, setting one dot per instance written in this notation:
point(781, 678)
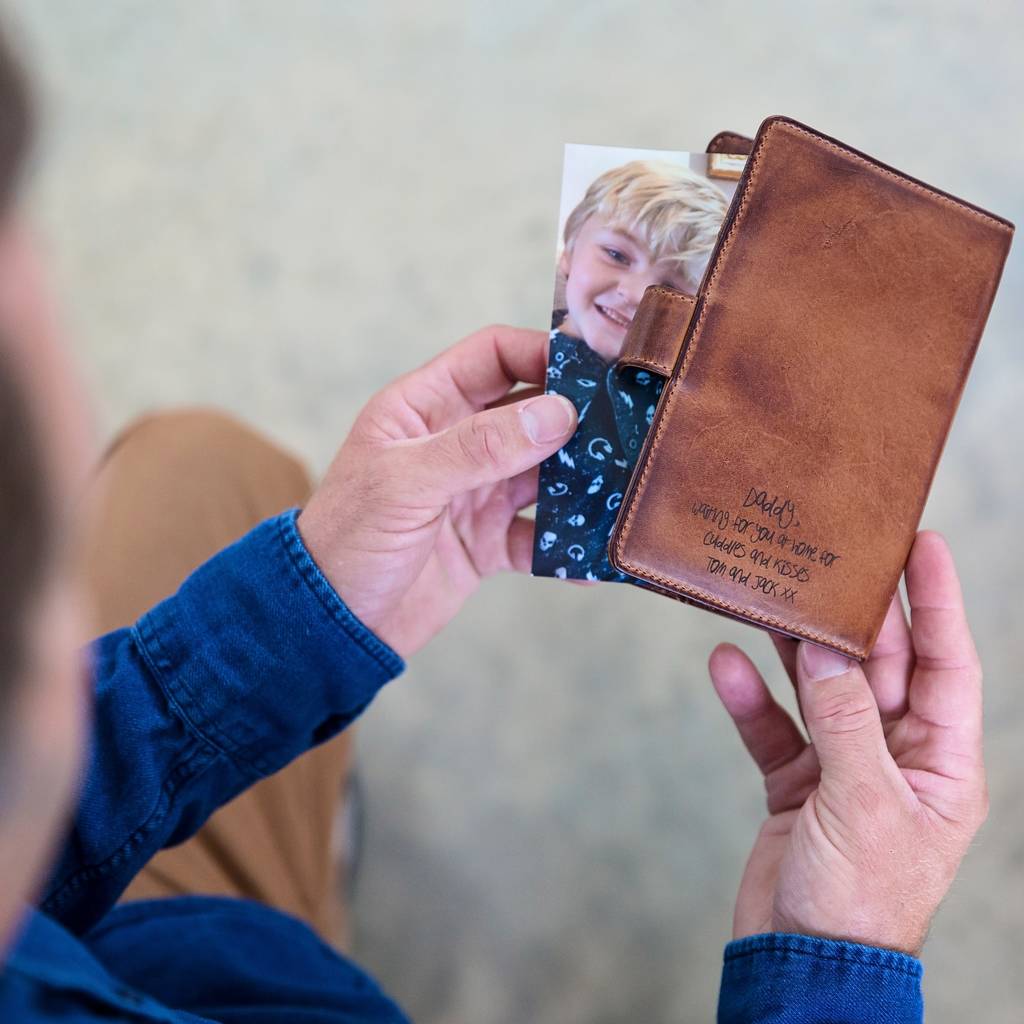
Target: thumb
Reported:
point(839, 710)
point(496, 444)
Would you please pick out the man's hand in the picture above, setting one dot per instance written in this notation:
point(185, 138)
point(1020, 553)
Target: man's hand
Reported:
point(869, 822)
point(421, 501)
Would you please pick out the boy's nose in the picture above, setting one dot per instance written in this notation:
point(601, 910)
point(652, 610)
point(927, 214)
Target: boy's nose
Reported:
point(632, 288)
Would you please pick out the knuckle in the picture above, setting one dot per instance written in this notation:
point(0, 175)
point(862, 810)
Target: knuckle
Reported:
point(844, 712)
point(482, 443)
point(377, 421)
point(485, 333)
point(493, 328)
point(780, 796)
point(775, 826)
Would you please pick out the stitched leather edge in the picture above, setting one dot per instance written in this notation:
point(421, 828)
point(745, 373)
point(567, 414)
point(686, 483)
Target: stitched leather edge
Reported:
point(889, 172)
point(671, 293)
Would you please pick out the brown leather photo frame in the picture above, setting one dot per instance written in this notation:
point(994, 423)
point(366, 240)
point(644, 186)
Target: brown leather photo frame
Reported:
point(811, 386)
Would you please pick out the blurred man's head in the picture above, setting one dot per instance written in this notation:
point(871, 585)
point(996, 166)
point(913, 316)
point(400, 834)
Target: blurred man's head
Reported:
point(43, 455)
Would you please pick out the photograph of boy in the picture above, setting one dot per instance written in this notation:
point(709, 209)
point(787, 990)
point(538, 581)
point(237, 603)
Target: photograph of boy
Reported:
point(640, 223)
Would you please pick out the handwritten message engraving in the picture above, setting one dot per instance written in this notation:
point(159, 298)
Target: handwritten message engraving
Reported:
point(758, 546)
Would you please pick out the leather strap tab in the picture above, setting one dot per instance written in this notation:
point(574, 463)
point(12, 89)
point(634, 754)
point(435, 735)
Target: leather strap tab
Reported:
point(656, 333)
point(730, 142)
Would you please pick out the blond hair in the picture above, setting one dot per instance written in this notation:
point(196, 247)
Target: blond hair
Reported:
point(674, 210)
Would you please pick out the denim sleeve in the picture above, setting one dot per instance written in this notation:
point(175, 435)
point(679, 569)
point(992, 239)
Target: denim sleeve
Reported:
point(797, 979)
point(252, 662)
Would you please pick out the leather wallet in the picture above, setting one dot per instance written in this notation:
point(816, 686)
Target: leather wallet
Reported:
point(811, 386)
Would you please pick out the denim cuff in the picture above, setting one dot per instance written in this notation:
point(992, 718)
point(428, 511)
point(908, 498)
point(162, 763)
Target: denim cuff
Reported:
point(799, 979)
point(259, 654)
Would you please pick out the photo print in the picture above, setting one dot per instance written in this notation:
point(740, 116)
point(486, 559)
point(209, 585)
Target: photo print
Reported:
point(629, 219)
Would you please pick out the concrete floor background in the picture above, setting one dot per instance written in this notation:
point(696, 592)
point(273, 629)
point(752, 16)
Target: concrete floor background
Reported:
point(279, 207)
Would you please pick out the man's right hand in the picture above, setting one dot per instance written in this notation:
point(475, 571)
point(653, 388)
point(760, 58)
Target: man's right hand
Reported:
point(869, 821)
point(423, 499)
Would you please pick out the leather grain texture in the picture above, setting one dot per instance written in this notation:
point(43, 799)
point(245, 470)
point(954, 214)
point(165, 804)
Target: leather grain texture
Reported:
point(792, 450)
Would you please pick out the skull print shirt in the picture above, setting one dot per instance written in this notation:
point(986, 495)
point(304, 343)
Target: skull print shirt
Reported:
point(582, 484)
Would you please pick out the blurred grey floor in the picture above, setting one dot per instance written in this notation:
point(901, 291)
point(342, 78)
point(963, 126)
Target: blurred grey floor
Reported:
point(277, 207)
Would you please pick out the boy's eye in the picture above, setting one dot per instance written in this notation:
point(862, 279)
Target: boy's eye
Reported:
point(616, 255)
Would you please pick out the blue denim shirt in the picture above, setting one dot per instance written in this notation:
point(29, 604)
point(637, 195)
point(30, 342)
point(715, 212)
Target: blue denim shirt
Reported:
point(253, 661)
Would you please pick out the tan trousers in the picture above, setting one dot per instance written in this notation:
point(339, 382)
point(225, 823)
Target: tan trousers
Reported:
point(172, 490)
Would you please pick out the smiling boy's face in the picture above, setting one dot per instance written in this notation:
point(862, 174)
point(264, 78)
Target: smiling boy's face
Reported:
point(606, 275)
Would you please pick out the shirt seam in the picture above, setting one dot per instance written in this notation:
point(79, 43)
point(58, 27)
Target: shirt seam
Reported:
point(162, 666)
point(145, 1009)
point(179, 775)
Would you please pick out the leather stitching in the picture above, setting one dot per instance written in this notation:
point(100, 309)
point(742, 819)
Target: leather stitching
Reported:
point(671, 293)
point(915, 186)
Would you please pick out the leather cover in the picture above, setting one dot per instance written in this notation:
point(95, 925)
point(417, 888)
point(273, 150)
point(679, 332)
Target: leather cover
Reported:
point(792, 450)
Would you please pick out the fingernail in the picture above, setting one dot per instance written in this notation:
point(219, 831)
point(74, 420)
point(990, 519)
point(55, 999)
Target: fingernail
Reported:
point(821, 663)
point(547, 418)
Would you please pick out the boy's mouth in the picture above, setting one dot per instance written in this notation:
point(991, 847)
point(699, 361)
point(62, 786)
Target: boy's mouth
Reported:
point(614, 315)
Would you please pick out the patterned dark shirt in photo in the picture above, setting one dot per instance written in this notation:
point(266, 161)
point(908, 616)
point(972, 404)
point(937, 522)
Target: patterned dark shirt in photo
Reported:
point(582, 484)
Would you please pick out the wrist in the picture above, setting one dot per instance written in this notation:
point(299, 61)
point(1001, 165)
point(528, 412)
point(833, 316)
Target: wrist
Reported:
point(892, 929)
point(318, 535)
